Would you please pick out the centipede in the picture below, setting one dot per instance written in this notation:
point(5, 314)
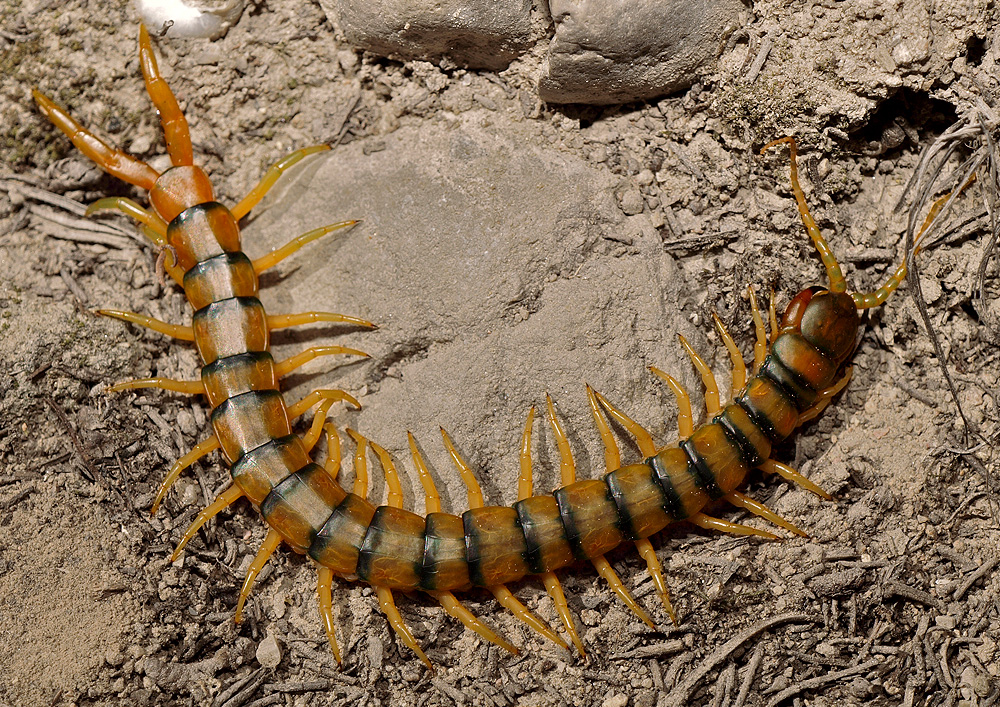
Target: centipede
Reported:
point(799, 366)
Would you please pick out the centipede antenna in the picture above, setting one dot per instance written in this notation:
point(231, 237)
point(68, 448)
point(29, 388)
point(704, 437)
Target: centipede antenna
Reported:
point(283, 368)
point(710, 523)
point(432, 500)
point(475, 493)
point(265, 262)
point(333, 460)
point(567, 467)
point(760, 344)
point(267, 548)
point(388, 606)
point(612, 454)
point(360, 464)
point(283, 321)
point(324, 588)
point(175, 126)
point(789, 474)
point(177, 331)
point(833, 272)
point(642, 437)
point(524, 480)
point(395, 495)
point(742, 501)
point(712, 405)
point(685, 419)
point(511, 603)
point(200, 450)
point(225, 499)
point(457, 610)
point(739, 367)
point(611, 577)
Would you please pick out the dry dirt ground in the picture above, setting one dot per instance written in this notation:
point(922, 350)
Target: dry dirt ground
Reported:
point(498, 259)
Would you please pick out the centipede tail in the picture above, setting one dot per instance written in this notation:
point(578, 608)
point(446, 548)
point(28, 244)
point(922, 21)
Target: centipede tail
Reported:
point(795, 374)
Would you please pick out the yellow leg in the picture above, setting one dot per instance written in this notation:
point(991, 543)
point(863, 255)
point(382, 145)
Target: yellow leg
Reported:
point(278, 254)
point(184, 333)
point(155, 226)
point(825, 396)
point(395, 494)
point(360, 464)
point(225, 499)
point(388, 606)
point(203, 448)
point(324, 588)
point(642, 436)
point(710, 523)
point(114, 162)
point(474, 492)
point(833, 272)
point(567, 467)
point(645, 549)
point(685, 420)
point(524, 480)
point(712, 406)
point(267, 548)
point(270, 177)
point(789, 474)
point(611, 577)
point(317, 395)
point(457, 610)
point(510, 602)
point(760, 345)
point(332, 462)
point(555, 590)
point(741, 501)
point(283, 321)
point(432, 500)
point(310, 438)
point(186, 387)
point(772, 318)
point(612, 454)
point(283, 368)
point(739, 367)
point(175, 127)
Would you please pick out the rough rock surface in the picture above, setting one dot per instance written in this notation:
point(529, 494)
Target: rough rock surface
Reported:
point(615, 51)
point(483, 34)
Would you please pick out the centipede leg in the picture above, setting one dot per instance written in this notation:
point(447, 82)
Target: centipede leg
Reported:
point(685, 420)
point(283, 321)
point(525, 490)
point(360, 463)
point(176, 386)
point(278, 254)
point(156, 226)
point(332, 461)
point(114, 162)
point(739, 367)
point(760, 344)
point(203, 448)
point(225, 499)
point(270, 177)
point(645, 549)
point(267, 548)
point(454, 608)
point(324, 588)
point(502, 594)
point(789, 474)
point(310, 438)
point(175, 126)
point(177, 331)
point(286, 366)
point(757, 508)
point(317, 395)
point(712, 405)
point(825, 396)
point(642, 436)
point(710, 523)
point(388, 606)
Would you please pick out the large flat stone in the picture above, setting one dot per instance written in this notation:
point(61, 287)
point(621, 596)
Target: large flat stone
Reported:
point(615, 51)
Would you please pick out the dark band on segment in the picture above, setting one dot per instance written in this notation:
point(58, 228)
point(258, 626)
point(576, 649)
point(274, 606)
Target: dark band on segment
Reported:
point(672, 502)
point(547, 548)
point(703, 476)
point(392, 551)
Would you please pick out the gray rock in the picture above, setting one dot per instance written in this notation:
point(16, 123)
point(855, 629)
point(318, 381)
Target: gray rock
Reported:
point(484, 34)
point(614, 51)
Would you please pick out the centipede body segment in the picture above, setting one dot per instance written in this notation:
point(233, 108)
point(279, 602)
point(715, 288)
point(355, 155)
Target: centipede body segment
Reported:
point(794, 376)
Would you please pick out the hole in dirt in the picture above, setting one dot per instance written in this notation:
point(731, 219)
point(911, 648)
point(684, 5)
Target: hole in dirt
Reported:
point(900, 120)
point(975, 50)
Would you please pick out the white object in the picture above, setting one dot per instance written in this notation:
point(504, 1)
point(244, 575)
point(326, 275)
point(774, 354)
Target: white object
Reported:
point(205, 19)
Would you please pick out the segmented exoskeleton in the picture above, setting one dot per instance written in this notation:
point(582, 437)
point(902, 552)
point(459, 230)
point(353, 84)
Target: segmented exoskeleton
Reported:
point(794, 377)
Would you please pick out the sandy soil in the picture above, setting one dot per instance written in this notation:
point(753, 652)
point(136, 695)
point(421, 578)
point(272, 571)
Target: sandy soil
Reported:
point(498, 259)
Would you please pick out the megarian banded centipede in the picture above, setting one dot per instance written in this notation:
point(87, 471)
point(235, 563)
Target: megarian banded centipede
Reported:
point(794, 377)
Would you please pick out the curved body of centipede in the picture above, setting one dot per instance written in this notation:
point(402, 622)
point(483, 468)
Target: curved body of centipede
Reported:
point(794, 377)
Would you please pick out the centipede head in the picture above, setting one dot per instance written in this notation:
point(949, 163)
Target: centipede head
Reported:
point(827, 320)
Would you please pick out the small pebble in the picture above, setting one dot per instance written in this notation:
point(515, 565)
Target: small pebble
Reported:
point(269, 652)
